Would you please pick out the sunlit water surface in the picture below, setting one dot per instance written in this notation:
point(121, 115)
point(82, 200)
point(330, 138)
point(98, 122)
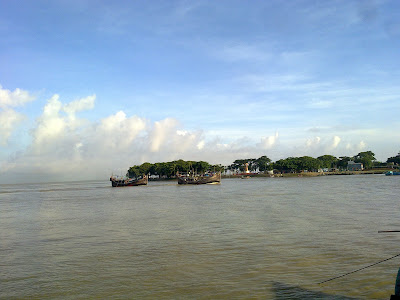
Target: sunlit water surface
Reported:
point(260, 238)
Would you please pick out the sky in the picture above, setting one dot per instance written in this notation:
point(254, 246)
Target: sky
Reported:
point(90, 88)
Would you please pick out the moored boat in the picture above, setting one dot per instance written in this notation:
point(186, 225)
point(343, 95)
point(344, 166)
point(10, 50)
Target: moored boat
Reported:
point(191, 178)
point(117, 181)
point(390, 173)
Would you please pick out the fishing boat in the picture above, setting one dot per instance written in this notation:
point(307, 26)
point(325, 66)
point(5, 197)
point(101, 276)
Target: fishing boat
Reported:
point(192, 178)
point(118, 181)
point(390, 173)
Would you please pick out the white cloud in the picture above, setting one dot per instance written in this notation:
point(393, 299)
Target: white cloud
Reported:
point(66, 146)
point(181, 132)
point(355, 148)
point(313, 142)
point(9, 120)
point(71, 148)
point(161, 130)
point(116, 132)
point(335, 142)
point(80, 105)
point(50, 125)
point(200, 145)
point(269, 141)
point(16, 98)
point(361, 146)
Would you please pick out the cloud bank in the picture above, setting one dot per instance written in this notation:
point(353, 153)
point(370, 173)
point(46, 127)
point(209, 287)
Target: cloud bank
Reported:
point(65, 146)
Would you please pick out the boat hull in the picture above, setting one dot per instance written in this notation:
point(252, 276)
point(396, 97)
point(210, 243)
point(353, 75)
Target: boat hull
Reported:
point(197, 179)
point(115, 182)
point(391, 173)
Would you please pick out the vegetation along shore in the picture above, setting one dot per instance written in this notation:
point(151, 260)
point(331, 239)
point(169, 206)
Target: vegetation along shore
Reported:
point(365, 163)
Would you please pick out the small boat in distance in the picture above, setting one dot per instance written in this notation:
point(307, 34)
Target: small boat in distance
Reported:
point(124, 181)
point(191, 178)
point(390, 173)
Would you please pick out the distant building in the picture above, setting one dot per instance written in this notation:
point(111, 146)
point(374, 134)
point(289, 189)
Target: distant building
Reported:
point(353, 166)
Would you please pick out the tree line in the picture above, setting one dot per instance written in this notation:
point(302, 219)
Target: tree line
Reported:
point(261, 164)
point(308, 163)
point(169, 169)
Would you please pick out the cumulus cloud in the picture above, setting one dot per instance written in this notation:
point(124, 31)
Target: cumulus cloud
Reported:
point(335, 142)
point(201, 144)
point(333, 145)
point(354, 148)
point(80, 105)
point(9, 118)
point(160, 131)
point(361, 146)
point(312, 142)
point(58, 121)
point(50, 124)
point(116, 132)
point(16, 98)
point(269, 141)
point(63, 144)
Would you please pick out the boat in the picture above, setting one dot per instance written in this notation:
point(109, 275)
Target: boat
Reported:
point(192, 178)
point(124, 181)
point(390, 173)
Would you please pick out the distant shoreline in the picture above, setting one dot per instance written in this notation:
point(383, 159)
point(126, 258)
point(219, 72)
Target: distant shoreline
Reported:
point(302, 174)
point(314, 174)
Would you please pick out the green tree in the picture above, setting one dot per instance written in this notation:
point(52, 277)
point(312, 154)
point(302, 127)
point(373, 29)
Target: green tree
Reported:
point(201, 166)
point(238, 165)
point(217, 168)
point(297, 164)
point(134, 172)
point(145, 168)
point(161, 169)
point(328, 161)
point(252, 164)
point(343, 161)
point(394, 159)
point(263, 163)
point(288, 164)
point(366, 158)
point(181, 165)
point(308, 163)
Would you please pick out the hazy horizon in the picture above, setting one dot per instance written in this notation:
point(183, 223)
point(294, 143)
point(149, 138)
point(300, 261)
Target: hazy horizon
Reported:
point(88, 88)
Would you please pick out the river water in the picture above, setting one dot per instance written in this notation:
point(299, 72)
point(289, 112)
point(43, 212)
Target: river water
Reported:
point(259, 238)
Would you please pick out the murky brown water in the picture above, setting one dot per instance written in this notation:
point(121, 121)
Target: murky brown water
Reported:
point(266, 238)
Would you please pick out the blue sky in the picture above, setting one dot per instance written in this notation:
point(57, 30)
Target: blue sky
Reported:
point(88, 88)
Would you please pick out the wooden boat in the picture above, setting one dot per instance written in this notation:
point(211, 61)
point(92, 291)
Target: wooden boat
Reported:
point(191, 178)
point(117, 181)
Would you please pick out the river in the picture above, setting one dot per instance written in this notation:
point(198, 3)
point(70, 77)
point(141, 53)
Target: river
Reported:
point(258, 238)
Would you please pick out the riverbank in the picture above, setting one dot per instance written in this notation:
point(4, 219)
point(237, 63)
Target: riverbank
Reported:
point(301, 174)
point(314, 174)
